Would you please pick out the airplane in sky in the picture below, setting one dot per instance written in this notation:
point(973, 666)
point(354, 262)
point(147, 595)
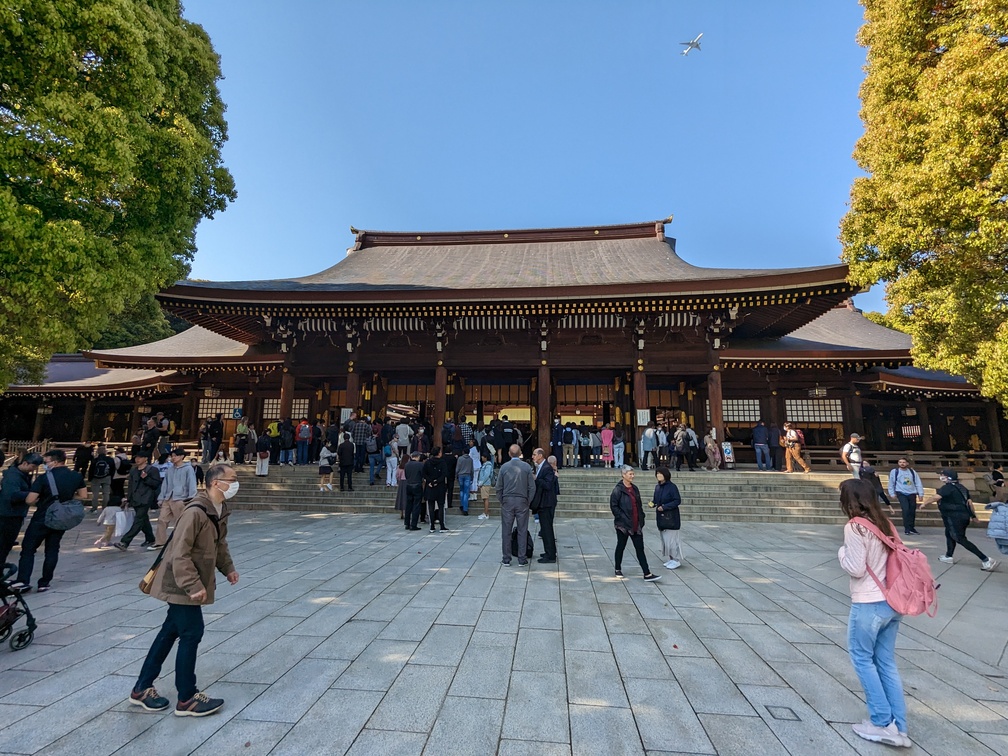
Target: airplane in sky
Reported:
point(692, 45)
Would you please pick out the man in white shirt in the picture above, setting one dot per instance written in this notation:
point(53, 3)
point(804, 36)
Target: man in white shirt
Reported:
point(851, 455)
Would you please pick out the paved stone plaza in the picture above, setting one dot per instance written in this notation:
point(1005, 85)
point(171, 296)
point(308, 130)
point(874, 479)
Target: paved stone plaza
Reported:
point(348, 634)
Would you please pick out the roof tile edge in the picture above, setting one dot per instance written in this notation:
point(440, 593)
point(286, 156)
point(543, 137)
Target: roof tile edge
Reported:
point(645, 230)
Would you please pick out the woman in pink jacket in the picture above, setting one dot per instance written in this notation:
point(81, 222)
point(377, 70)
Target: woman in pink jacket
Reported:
point(873, 624)
point(607, 445)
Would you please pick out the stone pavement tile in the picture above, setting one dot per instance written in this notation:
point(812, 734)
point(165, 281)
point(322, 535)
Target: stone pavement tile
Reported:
point(532, 748)
point(258, 636)
point(27, 658)
point(585, 633)
point(413, 701)
point(536, 708)
point(638, 656)
point(331, 725)
point(835, 659)
point(461, 610)
point(678, 594)
point(833, 701)
point(498, 622)
point(271, 663)
point(466, 725)
point(707, 624)
point(244, 736)
point(732, 611)
point(410, 624)
point(602, 729)
point(30, 734)
point(388, 743)
point(593, 678)
point(542, 588)
point(665, 720)
point(105, 734)
point(377, 666)
point(544, 615)
point(708, 688)
point(443, 646)
point(741, 736)
point(753, 600)
point(349, 641)
point(244, 616)
point(431, 596)
point(578, 602)
point(956, 706)
point(808, 734)
point(741, 663)
point(287, 699)
point(997, 743)
point(768, 645)
point(624, 618)
point(990, 686)
point(694, 579)
point(11, 713)
point(791, 628)
point(326, 620)
point(654, 605)
point(539, 651)
point(611, 590)
point(476, 586)
point(15, 679)
point(81, 675)
point(677, 639)
point(385, 607)
point(485, 670)
point(306, 604)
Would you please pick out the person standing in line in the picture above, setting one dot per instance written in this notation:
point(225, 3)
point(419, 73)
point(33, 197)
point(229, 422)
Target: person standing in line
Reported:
point(776, 448)
point(584, 445)
point(414, 482)
point(315, 448)
point(957, 512)
point(326, 459)
point(628, 510)
point(648, 444)
point(448, 465)
point(391, 452)
point(216, 432)
point(873, 624)
point(619, 446)
point(434, 479)
point(794, 442)
point(144, 486)
point(607, 445)
point(851, 455)
point(185, 581)
point(251, 442)
point(375, 459)
point(905, 484)
point(15, 485)
point(241, 440)
point(761, 445)
point(692, 447)
point(515, 489)
point(263, 453)
point(485, 482)
point(100, 476)
point(463, 473)
point(178, 487)
point(544, 503)
point(556, 437)
point(346, 454)
point(403, 435)
point(666, 501)
point(712, 452)
point(60, 483)
point(474, 455)
point(568, 439)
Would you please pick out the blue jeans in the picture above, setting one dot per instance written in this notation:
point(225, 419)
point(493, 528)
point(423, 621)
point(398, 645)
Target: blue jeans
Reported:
point(302, 451)
point(286, 455)
point(185, 624)
point(465, 481)
point(871, 643)
point(375, 462)
point(762, 456)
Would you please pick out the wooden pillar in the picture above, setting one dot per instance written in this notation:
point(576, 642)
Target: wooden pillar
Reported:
point(925, 427)
point(716, 403)
point(39, 418)
point(440, 402)
point(379, 399)
point(993, 426)
point(856, 420)
point(89, 407)
point(286, 394)
point(352, 389)
point(191, 410)
point(544, 408)
point(640, 402)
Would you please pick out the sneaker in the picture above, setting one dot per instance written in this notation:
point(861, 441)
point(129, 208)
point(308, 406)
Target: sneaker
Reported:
point(989, 565)
point(672, 564)
point(481, 517)
point(619, 573)
point(946, 559)
point(506, 562)
point(42, 588)
point(329, 486)
point(200, 705)
point(651, 577)
point(913, 531)
point(465, 512)
point(887, 735)
point(523, 562)
point(120, 545)
point(154, 547)
point(149, 700)
point(20, 587)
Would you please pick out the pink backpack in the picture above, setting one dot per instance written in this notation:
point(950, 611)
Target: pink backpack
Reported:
point(911, 588)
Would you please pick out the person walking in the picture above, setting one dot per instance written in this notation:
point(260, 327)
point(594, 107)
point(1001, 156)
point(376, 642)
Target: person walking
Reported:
point(851, 455)
point(628, 510)
point(463, 473)
point(15, 485)
point(515, 489)
point(346, 455)
point(185, 581)
point(178, 486)
point(60, 483)
point(794, 442)
point(413, 480)
point(906, 486)
point(872, 625)
point(957, 513)
point(544, 503)
point(99, 475)
point(666, 500)
point(485, 482)
point(434, 480)
point(761, 445)
point(327, 457)
point(144, 486)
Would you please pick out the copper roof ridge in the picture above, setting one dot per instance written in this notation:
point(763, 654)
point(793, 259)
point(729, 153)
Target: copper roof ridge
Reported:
point(643, 230)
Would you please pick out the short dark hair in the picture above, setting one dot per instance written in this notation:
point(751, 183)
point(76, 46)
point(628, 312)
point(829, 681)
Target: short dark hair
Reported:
point(664, 471)
point(215, 472)
point(56, 455)
point(30, 458)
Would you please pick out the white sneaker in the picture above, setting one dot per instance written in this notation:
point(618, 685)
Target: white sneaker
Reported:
point(946, 559)
point(672, 564)
point(888, 735)
point(481, 517)
point(329, 486)
point(321, 488)
point(989, 565)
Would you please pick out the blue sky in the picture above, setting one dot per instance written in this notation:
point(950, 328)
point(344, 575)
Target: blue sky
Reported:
point(484, 115)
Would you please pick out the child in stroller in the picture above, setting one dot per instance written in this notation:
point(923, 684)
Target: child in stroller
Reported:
point(13, 608)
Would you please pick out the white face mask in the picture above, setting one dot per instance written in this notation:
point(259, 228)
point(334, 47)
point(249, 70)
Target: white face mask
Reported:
point(232, 489)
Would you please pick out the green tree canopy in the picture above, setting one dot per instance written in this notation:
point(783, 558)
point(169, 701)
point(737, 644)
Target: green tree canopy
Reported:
point(931, 217)
point(111, 127)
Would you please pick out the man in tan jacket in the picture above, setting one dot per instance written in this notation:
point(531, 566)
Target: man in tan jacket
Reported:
point(185, 581)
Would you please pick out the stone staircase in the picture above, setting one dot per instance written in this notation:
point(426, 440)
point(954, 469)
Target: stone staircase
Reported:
point(725, 496)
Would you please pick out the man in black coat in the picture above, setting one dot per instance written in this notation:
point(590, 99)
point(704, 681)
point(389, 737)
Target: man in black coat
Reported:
point(544, 504)
point(345, 455)
point(144, 487)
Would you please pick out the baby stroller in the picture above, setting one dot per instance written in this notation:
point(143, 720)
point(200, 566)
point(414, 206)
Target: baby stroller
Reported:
point(13, 608)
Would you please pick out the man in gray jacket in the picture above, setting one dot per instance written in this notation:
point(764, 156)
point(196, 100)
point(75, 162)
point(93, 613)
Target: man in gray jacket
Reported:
point(144, 484)
point(515, 489)
point(177, 488)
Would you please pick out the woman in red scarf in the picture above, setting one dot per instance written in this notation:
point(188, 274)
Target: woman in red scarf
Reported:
point(628, 509)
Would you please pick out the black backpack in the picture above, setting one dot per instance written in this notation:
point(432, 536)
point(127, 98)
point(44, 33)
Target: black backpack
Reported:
point(568, 436)
point(529, 544)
